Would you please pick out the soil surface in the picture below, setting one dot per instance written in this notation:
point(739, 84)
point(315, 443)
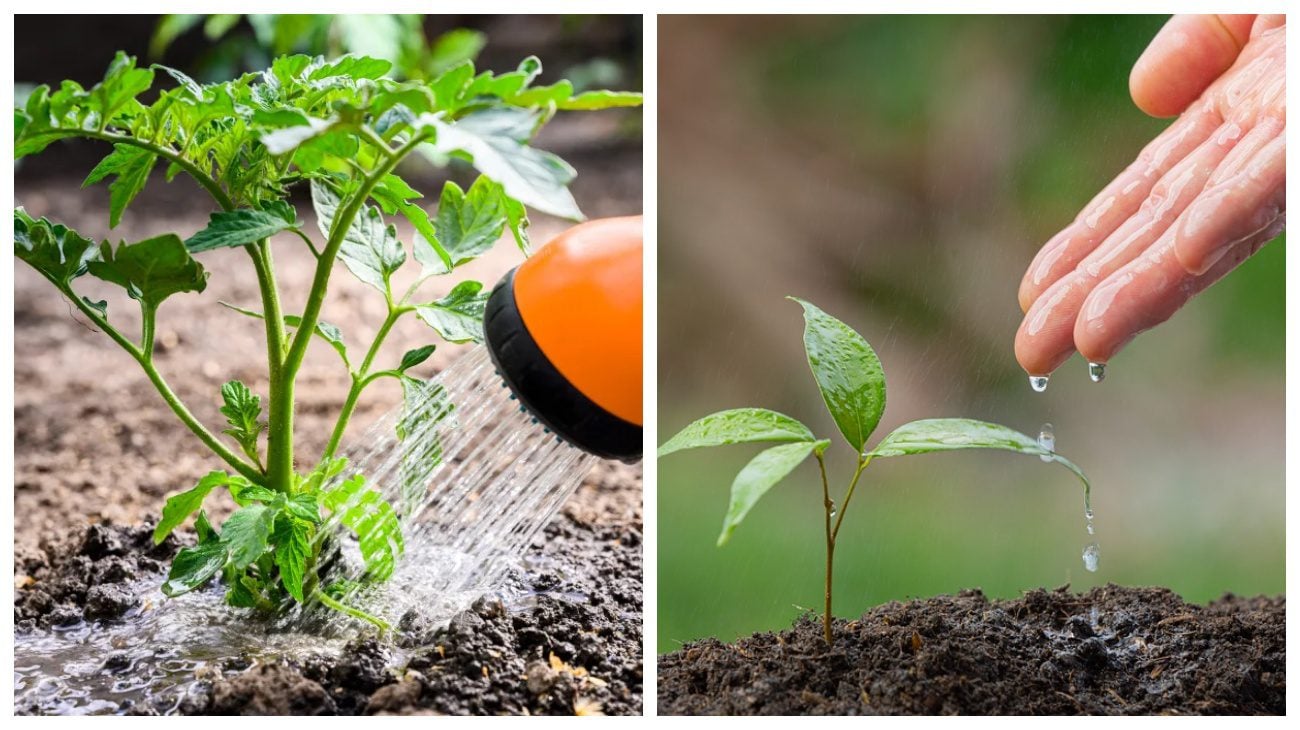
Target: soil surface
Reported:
point(1112, 650)
point(97, 452)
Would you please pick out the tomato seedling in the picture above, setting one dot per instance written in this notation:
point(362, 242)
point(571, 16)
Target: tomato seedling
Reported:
point(340, 128)
point(852, 384)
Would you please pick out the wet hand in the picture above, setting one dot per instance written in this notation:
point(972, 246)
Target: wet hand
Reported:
point(1200, 198)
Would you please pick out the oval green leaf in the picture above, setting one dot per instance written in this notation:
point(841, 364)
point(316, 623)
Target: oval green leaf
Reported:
point(737, 426)
point(953, 434)
point(848, 372)
point(760, 475)
point(194, 566)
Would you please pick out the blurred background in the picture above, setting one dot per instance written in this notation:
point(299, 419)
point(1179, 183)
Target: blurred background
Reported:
point(901, 172)
point(87, 422)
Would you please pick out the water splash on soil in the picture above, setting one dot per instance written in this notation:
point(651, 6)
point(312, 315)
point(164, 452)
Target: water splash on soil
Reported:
point(474, 480)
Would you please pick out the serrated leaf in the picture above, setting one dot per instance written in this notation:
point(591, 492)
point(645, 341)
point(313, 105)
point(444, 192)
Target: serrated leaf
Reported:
point(292, 540)
point(130, 165)
point(848, 373)
point(247, 533)
point(414, 357)
point(496, 141)
point(468, 224)
point(194, 566)
point(952, 434)
point(759, 476)
point(737, 426)
point(255, 493)
point(392, 193)
point(426, 405)
point(242, 408)
point(373, 520)
point(457, 317)
point(239, 228)
point(122, 83)
point(150, 270)
point(370, 249)
point(353, 66)
point(179, 507)
point(183, 79)
point(433, 258)
point(58, 252)
point(303, 507)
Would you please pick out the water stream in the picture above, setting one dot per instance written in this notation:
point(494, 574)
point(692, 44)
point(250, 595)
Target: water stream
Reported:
point(474, 479)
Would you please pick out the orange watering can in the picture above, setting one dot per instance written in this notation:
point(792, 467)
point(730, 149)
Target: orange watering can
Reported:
point(564, 330)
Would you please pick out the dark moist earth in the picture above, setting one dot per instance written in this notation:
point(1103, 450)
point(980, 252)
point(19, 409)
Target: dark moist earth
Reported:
point(1112, 650)
point(572, 647)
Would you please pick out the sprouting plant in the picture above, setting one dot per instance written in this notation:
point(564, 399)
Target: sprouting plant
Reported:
point(341, 129)
point(852, 384)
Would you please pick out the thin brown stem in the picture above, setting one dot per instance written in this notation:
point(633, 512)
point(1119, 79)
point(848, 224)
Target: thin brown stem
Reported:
point(829, 508)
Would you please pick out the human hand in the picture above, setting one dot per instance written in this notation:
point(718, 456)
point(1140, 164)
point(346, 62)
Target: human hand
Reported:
point(1200, 198)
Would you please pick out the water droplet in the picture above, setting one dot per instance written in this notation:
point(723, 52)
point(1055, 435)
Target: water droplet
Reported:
point(513, 396)
point(1091, 555)
point(1097, 371)
point(1047, 440)
point(1038, 383)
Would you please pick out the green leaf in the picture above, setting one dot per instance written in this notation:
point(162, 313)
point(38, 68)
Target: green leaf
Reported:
point(737, 426)
point(238, 228)
point(242, 409)
point(593, 100)
point(425, 403)
point(457, 317)
point(847, 371)
point(204, 529)
point(415, 357)
point(292, 540)
point(370, 249)
point(122, 83)
point(194, 566)
point(517, 219)
point(131, 166)
point(58, 252)
point(953, 434)
point(168, 29)
point(393, 193)
point(468, 224)
point(151, 270)
point(433, 258)
point(760, 475)
point(303, 507)
point(453, 47)
point(372, 520)
point(247, 533)
point(496, 140)
point(180, 506)
point(254, 493)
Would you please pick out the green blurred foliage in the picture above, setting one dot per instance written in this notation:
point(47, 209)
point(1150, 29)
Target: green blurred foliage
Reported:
point(1183, 441)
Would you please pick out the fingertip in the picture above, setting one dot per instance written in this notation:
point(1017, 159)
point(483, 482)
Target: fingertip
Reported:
point(1184, 58)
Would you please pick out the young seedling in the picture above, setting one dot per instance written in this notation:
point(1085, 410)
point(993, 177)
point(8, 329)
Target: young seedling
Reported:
point(339, 128)
point(852, 384)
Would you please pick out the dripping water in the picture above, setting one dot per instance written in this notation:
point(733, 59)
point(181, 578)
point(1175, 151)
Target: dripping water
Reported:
point(1038, 383)
point(1097, 371)
point(1047, 440)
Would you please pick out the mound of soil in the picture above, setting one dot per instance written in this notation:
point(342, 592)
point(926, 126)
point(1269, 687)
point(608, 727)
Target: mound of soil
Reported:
point(1112, 650)
point(571, 645)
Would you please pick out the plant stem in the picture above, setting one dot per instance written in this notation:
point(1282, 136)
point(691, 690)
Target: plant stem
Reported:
point(201, 177)
point(356, 613)
point(828, 507)
point(316, 297)
point(360, 380)
point(145, 359)
point(279, 437)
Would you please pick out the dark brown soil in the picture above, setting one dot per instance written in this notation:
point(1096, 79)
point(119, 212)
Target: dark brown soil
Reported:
point(1112, 650)
point(571, 646)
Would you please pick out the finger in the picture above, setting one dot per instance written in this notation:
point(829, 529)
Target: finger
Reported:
point(1147, 292)
point(1265, 23)
point(1046, 336)
point(1238, 207)
point(1184, 58)
point(1116, 203)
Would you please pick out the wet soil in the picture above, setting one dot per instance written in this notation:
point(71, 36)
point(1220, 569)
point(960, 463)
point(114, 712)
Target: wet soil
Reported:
point(562, 637)
point(1112, 650)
